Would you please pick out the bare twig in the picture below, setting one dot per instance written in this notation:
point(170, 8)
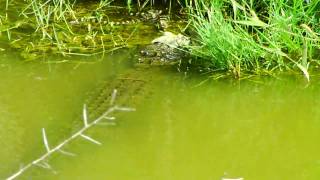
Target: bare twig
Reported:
point(85, 115)
point(90, 139)
point(113, 96)
point(45, 140)
point(41, 161)
point(66, 153)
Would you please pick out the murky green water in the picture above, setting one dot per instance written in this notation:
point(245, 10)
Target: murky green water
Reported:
point(262, 129)
point(258, 129)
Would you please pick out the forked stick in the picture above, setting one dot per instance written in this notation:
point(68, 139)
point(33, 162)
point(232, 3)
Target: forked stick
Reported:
point(80, 133)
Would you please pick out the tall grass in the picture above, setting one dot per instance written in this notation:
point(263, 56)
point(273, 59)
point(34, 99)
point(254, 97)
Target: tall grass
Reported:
point(104, 3)
point(261, 35)
point(47, 13)
point(58, 28)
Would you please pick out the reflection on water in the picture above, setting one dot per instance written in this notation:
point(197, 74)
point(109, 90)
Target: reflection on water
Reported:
point(256, 129)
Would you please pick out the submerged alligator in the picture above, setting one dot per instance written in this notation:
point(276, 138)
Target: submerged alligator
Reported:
point(135, 83)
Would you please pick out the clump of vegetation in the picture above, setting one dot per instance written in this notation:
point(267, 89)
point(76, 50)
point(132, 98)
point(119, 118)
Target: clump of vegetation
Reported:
point(237, 35)
point(256, 36)
point(55, 26)
point(68, 27)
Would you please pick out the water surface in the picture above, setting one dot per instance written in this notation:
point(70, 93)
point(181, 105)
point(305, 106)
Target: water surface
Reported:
point(262, 128)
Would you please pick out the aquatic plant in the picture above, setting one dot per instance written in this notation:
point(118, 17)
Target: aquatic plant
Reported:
point(70, 27)
point(261, 36)
point(104, 3)
point(56, 26)
point(42, 160)
point(256, 36)
point(91, 29)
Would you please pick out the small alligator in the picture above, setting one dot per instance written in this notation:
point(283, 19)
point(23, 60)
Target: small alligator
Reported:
point(153, 16)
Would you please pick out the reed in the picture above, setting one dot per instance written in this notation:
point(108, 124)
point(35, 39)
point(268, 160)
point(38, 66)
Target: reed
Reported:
point(104, 3)
point(263, 35)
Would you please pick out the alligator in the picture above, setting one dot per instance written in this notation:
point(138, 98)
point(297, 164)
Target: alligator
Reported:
point(135, 83)
point(153, 16)
point(165, 50)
